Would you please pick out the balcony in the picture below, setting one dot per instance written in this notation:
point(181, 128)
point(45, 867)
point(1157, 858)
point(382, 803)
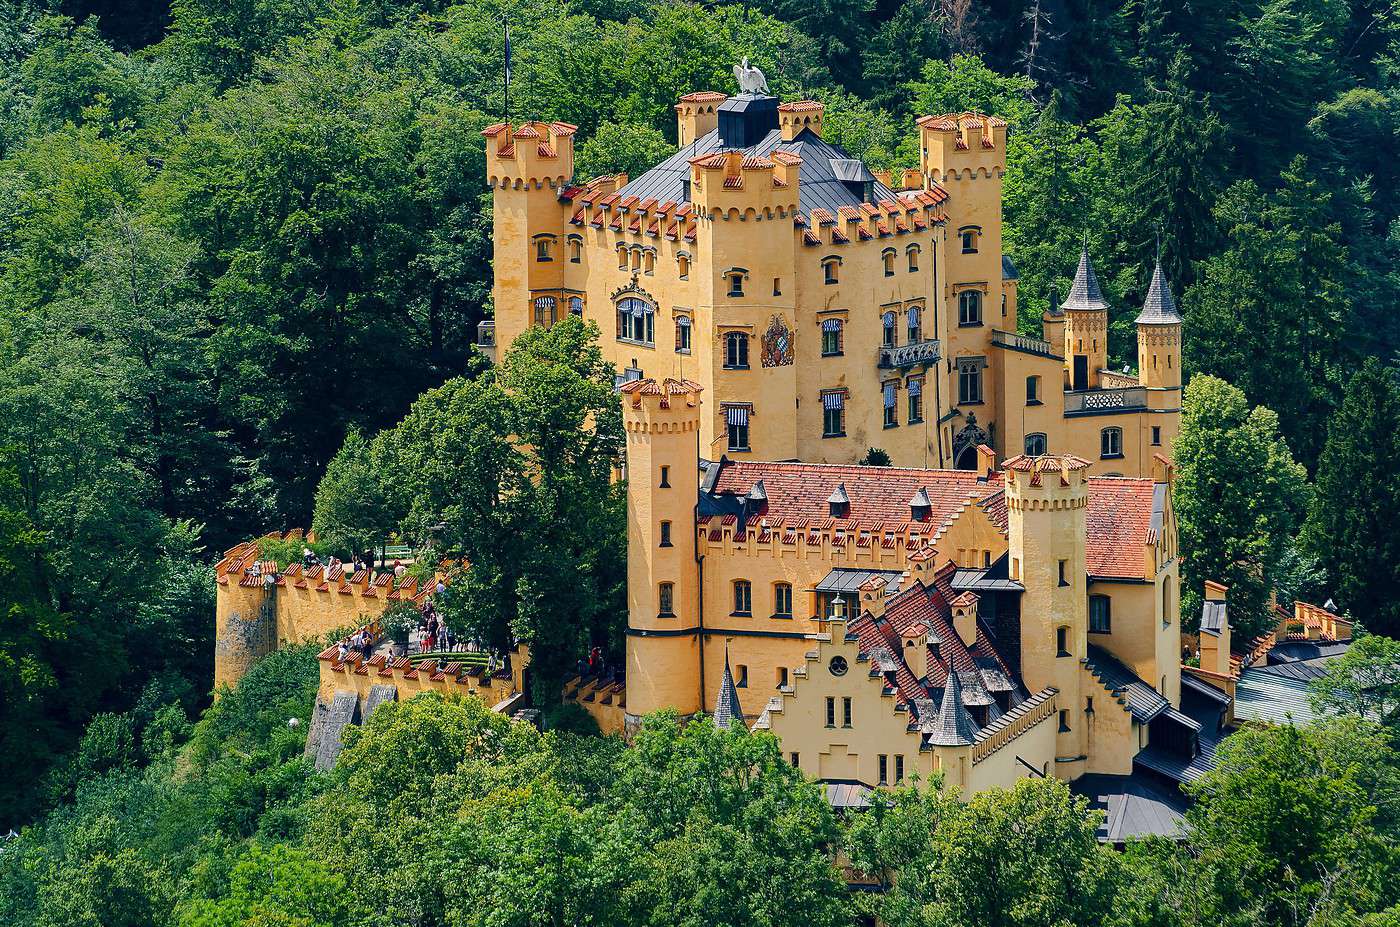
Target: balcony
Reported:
point(1104, 401)
point(1024, 343)
point(918, 354)
point(486, 338)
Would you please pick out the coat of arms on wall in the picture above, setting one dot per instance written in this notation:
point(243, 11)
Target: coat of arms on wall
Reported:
point(777, 343)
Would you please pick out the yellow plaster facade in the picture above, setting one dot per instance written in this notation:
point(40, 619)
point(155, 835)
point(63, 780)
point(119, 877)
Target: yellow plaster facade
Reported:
point(823, 317)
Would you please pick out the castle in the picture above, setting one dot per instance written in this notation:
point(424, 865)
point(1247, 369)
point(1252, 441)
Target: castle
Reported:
point(824, 311)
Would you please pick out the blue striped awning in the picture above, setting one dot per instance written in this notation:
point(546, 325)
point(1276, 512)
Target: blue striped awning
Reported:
point(737, 415)
point(831, 325)
point(835, 399)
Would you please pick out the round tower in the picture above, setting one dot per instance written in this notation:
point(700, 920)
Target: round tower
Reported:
point(1086, 327)
point(1159, 336)
point(1047, 499)
point(662, 422)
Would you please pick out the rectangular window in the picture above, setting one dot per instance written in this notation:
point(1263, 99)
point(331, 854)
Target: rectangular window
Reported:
point(970, 307)
point(794, 757)
point(1035, 444)
point(913, 260)
point(1064, 572)
point(777, 286)
point(1156, 435)
point(1100, 614)
point(914, 324)
point(782, 676)
point(542, 249)
point(683, 335)
point(891, 419)
point(575, 252)
point(969, 383)
point(884, 769)
point(743, 597)
point(741, 679)
point(1111, 442)
point(846, 711)
point(736, 351)
point(782, 601)
point(887, 335)
point(830, 711)
point(666, 600)
point(1032, 391)
point(736, 284)
point(1064, 720)
point(665, 534)
point(831, 338)
point(969, 241)
point(898, 768)
point(916, 401)
point(829, 272)
point(737, 421)
point(833, 414)
point(665, 477)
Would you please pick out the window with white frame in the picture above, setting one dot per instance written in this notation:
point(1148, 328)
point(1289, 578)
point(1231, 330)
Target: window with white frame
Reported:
point(736, 422)
point(636, 320)
point(970, 307)
point(834, 414)
point(736, 350)
point(1035, 444)
point(682, 334)
point(1111, 442)
point(544, 310)
point(915, 389)
point(891, 396)
point(969, 381)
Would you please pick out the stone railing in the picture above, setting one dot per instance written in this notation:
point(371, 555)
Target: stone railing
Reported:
point(1112, 379)
point(1013, 724)
point(1092, 401)
point(920, 353)
point(1023, 343)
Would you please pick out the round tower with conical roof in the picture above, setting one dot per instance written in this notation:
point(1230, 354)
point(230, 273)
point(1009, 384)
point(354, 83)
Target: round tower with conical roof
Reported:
point(1086, 327)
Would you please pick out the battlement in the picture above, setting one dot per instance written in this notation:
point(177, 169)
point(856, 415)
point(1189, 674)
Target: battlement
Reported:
point(531, 155)
point(697, 114)
point(603, 208)
point(731, 185)
point(1047, 474)
point(912, 212)
point(961, 146)
point(799, 116)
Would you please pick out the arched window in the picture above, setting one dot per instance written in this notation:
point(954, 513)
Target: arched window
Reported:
point(665, 600)
point(649, 262)
point(782, 600)
point(970, 307)
point(736, 351)
point(912, 253)
point(887, 338)
point(969, 236)
point(544, 310)
point(544, 248)
point(1111, 442)
point(831, 338)
point(743, 597)
point(576, 305)
point(888, 257)
point(1036, 444)
point(636, 320)
point(1033, 391)
point(683, 265)
point(911, 319)
point(575, 250)
point(683, 334)
point(621, 256)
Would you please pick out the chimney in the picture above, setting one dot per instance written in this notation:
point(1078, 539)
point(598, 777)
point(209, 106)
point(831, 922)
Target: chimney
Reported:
point(872, 597)
point(1215, 631)
point(986, 461)
point(696, 115)
point(911, 179)
point(965, 617)
point(802, 115)
point(914, 639)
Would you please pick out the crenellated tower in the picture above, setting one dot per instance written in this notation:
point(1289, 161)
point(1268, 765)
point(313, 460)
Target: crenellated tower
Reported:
point(697, 114)
point(1047, 499)
point(527, 167)
point(662, 422)
point(1086, 327)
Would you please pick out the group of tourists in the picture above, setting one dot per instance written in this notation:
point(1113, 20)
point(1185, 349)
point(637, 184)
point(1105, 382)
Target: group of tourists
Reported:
point(361, 642)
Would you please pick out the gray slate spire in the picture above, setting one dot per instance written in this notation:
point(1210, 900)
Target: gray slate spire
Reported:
point(954, 726)
point(759, 493)
point(1159, 308)
point(727, 707)
point(1084, 293)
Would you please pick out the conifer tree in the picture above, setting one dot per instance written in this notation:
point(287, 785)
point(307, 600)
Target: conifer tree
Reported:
point(1350, 527)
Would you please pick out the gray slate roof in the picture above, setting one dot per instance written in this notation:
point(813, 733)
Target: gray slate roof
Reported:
point(820, 188)
point(848, 794)
point(1084, 293)
point(1142, 700)
point(1158, 308)
point(1278, 694)
point(953, 726)
point(727, 708)
point(1008, 269)
point(1133, 806)
point(844, 579)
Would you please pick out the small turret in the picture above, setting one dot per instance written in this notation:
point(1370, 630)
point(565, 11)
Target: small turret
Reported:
point(1159, 336)
point(802, 115)
point(727, 707)
point(1086, 327)
point(697, 114)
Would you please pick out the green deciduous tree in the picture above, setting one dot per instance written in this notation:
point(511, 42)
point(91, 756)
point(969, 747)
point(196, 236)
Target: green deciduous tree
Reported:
point(1240, 499)
point(1364, 681)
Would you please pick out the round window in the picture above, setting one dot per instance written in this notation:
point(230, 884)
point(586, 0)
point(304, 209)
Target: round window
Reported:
point(837, 666)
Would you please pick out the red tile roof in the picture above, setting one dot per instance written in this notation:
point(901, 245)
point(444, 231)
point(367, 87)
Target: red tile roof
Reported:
point(1119, 521)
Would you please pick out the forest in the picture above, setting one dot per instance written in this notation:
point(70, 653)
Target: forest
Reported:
point(242, 241)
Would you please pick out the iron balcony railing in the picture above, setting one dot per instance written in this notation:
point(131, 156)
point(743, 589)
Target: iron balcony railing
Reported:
point(1091, 401)
point(920, 353)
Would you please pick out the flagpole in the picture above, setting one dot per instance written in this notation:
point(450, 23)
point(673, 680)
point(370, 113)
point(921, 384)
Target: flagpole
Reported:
point(507, 28)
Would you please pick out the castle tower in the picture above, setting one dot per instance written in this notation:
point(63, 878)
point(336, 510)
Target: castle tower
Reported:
point(1047, 499)
point(747, 277)
point(696, 114)
point(245, 620)
point(662, 422)
point(1086, 327)
point(1159, 336)
point(526, 168)
point(799, 116)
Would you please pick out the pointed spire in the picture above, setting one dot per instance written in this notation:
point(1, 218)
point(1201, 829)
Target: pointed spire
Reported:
point(1084, 293)
point(954, 726)
point(758, 493)
point(920, 505)
point(1158, 308)
point(727, 707)
point(840, 502)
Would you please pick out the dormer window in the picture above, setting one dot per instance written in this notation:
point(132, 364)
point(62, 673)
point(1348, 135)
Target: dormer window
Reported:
point(838, 502)
point(920, 506)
